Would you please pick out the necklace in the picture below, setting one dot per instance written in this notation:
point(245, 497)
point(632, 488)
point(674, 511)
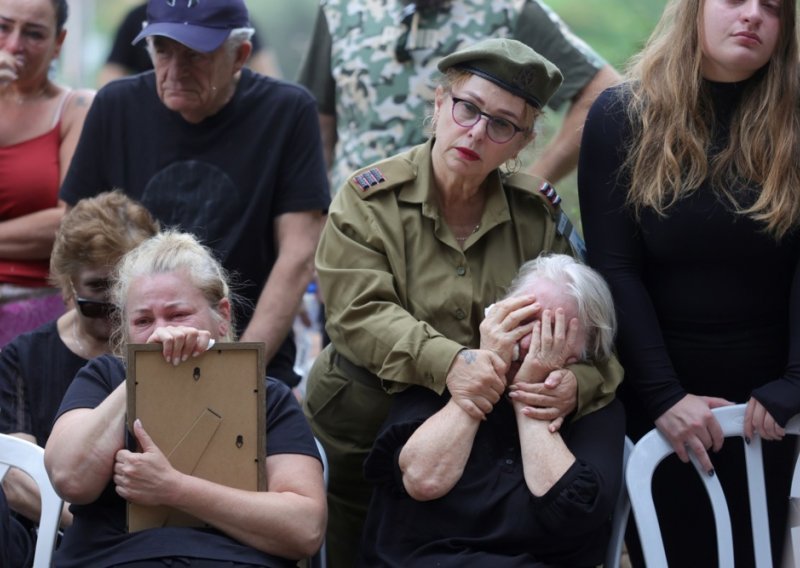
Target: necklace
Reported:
point(472, 232)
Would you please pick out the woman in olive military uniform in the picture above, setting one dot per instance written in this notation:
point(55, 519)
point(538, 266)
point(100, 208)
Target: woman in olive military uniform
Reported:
point(414, 250)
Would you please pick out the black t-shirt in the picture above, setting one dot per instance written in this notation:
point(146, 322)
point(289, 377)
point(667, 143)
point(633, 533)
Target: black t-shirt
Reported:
point(490, 517)
point(35, 370)
point(135, 57)
point(224, 179)
point(98, 534)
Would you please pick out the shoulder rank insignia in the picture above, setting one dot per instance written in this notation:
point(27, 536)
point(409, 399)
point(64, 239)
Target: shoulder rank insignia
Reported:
point(369, 178)
point(549, 193)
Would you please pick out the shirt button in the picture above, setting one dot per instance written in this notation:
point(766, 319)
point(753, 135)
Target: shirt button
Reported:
point(460, 314)
point(509, 462)
point(461, 271)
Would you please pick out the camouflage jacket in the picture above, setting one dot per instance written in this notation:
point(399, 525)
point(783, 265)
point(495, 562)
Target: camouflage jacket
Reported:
point(373, 65)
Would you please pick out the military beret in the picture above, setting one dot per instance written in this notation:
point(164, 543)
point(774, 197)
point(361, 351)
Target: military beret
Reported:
point(511, 65)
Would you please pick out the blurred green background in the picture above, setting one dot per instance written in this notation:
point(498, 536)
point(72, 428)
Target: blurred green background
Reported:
point(615, 28)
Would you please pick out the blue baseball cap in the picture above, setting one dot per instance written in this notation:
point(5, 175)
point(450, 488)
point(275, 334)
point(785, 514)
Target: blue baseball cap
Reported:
point(201, 25)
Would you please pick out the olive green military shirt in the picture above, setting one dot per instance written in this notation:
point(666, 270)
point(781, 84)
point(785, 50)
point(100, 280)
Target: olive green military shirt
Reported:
point(402, 298)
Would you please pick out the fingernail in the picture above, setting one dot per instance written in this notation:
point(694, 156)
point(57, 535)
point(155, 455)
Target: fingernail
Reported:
point(746, 440)
point(513, 394)
point(176, 361)
point(710, 473)
point(184, 357)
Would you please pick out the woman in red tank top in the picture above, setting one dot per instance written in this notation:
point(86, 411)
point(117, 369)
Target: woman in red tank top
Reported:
point(40, 126)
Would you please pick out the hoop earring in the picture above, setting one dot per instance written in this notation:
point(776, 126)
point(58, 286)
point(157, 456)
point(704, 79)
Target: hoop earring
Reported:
point(514, 165)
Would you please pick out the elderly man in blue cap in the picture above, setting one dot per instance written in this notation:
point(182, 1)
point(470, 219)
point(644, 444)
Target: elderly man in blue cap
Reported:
point(217, 150)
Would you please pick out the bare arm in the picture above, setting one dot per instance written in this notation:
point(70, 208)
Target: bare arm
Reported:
point(31, 236)
point(297, 235)
point(79, 455)
point(433, 459)
point(287, 520)
point(327, 130)
point(545, 456)
point(560, 156)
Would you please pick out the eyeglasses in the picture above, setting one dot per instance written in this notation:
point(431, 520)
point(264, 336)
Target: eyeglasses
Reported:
point(93, 309)
point(499, 130)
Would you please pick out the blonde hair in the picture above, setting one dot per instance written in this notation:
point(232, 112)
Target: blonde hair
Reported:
point(670, 115)
point(170, 251)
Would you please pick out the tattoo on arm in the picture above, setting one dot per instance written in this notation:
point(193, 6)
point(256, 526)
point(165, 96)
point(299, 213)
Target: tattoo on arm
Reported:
point(468, 356)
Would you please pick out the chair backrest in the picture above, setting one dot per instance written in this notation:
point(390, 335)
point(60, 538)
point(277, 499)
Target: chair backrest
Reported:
point(29, 458)
point(653, 448)
point(619, 519)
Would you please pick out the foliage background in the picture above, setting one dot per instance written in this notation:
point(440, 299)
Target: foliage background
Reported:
point(615, 28)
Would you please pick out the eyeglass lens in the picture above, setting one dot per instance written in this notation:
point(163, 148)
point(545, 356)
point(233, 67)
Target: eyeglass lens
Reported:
point(467, 114)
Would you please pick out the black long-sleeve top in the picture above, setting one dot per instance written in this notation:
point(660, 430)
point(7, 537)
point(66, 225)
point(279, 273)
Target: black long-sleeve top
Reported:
point(707, 301)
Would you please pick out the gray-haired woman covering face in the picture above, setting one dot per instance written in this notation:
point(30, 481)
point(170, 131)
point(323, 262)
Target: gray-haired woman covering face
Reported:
point(546, 494)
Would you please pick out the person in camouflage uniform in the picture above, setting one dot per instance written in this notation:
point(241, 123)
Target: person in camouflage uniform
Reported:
point(372, 67)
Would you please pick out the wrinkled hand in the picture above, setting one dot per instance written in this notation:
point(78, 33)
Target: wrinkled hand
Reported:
point(506, 323)
point(553, 343)
point(476, 380)
point(758, 419)
point(181, 342)
point(553, 399)
point(689, 424)
point(145, 478)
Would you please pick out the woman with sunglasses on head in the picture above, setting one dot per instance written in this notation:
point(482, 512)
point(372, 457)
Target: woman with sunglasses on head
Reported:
point(37, 367)
point(40, 126)
point(690, 193)
point(415, 248)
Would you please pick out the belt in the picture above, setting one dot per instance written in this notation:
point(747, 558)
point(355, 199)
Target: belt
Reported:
point(355, 372)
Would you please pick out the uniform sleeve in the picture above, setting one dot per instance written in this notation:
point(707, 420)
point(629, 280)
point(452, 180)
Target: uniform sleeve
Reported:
point(15, 413)
point(615, 249)
point(781, 397)
point(315, 72)
point(366, 318)
point(542, 29)
point(85, 174)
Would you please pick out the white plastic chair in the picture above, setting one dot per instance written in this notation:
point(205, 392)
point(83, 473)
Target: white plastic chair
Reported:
point(653, 448)
point(619, 519)
point(29, 458)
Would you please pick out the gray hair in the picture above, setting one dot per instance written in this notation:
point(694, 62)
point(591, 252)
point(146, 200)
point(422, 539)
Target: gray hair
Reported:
point(237, 37)
point(170, 251)
point(590, 291)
